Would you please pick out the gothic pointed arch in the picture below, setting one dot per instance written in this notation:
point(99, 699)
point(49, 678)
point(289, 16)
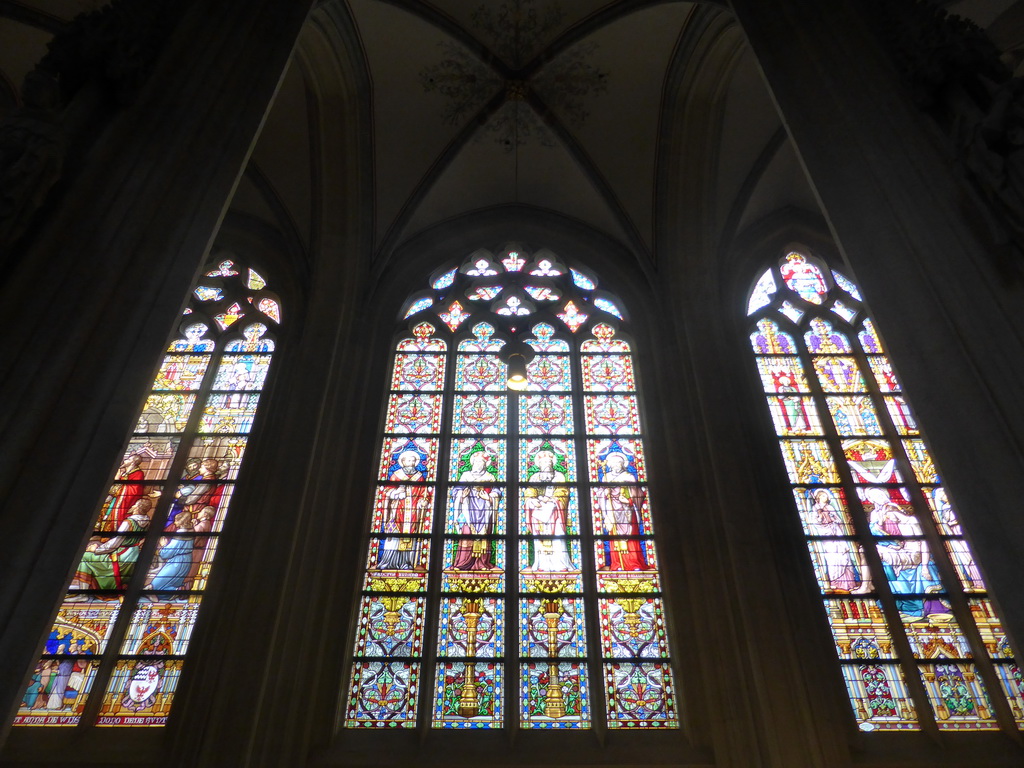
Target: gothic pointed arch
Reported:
point(511, 576)
point(916, 632)
point(120, 638)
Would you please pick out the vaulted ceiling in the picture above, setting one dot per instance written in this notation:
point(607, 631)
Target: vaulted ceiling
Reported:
point(556, 104)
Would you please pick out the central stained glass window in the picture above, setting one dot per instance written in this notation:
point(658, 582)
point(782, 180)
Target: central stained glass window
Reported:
point(511, 577)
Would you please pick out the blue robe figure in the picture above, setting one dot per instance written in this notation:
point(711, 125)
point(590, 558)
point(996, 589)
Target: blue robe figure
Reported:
point(177, 562)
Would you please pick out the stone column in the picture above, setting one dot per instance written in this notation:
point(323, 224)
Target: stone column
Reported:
point(90, 305)
point(952, 325)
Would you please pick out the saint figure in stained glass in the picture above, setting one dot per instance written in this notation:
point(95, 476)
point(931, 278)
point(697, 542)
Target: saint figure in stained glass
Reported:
point(405, 507)
point(476, 508)
point(545, 509)
point(619, 512)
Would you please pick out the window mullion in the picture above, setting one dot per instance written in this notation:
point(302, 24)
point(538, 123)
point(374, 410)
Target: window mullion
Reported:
point(432, 609)
point(592, 614)
point(158, 520)
point(904, 652)
point(950, 579)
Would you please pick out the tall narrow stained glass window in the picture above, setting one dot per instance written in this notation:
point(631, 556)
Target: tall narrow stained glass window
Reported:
point(918, 639)
point(511, 578)
point(119, 640)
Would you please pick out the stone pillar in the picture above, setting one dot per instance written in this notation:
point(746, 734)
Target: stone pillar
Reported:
point(90, 305)
point(953, 326)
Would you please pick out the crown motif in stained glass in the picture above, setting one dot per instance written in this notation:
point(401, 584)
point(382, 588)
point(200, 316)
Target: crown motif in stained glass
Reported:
point(513, 262)
point(572, 316)
point(445, 280)
point(804, 278)
point(454, 316)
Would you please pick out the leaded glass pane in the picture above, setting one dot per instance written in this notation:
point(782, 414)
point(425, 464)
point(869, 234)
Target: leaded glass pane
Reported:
point(505, 512)
point(870, 494)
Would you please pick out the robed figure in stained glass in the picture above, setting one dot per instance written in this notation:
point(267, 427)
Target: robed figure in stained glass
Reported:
point(476, 507)
point(118, 505)
point(404, 508)
point(110, 564)
point(906, 561)
point(619, 512)
point(841, 566)
point(545, 510)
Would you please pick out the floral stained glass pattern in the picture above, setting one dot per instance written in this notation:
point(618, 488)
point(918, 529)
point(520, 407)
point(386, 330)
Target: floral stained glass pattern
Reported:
point(867, 476)
point(538, 487)
point(155, 533)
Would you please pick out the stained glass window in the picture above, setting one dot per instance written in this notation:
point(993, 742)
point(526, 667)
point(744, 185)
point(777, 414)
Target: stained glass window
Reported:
point(121, 635)
point(919, 642)
point(525, 512)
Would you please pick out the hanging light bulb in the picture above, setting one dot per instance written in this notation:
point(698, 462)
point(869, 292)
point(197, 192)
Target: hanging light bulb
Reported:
point(516, 355)
point(517, 371)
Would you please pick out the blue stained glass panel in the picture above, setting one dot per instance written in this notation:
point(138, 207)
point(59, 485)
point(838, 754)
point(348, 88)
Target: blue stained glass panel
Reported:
point(640, 696)
point(761, 296)
point(390, 626)
point(633, 627)
point(419, 305)
point(382, 695)
point(607, 306)
point(445, 280)
point(847, 285)
point(582, 281)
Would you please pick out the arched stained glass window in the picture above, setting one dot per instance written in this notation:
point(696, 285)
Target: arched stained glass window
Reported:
point(511, 577)
point(118, 642)
point(917, 636)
